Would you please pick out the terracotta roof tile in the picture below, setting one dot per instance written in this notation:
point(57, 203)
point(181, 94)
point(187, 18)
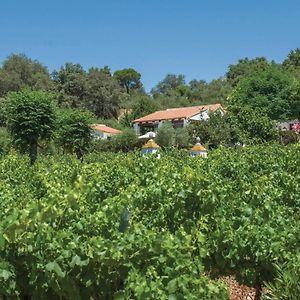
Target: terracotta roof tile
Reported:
point(106, 129)
point(177, 113)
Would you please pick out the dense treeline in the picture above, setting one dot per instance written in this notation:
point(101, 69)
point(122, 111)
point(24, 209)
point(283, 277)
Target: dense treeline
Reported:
point(256, 93)
point(105, 93)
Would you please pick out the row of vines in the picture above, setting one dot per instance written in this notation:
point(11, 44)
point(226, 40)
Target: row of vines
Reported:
point(130, 227)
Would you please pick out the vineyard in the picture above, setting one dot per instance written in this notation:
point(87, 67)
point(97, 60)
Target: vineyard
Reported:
point(122, 226)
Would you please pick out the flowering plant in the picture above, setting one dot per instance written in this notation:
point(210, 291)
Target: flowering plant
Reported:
point(296, 127)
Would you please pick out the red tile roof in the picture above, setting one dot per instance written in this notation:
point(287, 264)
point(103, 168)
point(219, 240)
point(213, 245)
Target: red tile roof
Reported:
point(106, 129)
point(178, 113)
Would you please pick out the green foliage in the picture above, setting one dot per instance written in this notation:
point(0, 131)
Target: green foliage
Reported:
point(110, 123)
point(188, 220)
point(251, 126)
point(172, 91)
point(166, 135)
point(103, 94)
point(96, 90)
point(73, 131)
point(292, 62)
point(129, 79)
point(182, 137)
point(268, 92)
point(70, 82)
point(19, 71)
point(286, 137)
point(31, 118)
point(201, 92)
point(170, 83)
point(217, 130)
point(141, 105)
point(245, 68)
point(5, 141)
point(3, 116)
point(125, 141)
point(286, 285)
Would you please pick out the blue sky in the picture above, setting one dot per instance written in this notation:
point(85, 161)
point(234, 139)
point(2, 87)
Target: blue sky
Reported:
point(197, 38)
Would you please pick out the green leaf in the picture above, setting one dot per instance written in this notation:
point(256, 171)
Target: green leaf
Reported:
point(5, 274)
point(172, 286)
point(119, 295)
point(54, 267)
point(76, 260)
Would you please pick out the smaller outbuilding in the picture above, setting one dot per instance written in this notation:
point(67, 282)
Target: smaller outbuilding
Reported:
point(198, 149)
point(150, 147)
point(103, 132)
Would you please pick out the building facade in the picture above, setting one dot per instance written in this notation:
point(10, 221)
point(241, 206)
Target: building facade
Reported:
point(179, 117)
point(103, 132)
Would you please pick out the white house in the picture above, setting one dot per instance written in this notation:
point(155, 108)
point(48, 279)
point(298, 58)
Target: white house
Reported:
point(103, 132)
point(180, 117)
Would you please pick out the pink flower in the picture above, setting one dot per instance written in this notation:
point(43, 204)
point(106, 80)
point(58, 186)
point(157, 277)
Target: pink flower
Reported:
point(296, 127)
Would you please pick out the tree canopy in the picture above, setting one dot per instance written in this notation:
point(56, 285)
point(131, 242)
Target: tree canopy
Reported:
point(74, 131)
point(270, 91)
point(129, 79)
point(256, 87)
point(31, 118)
point(18, 71)
point(293, 60)
point(244, 68)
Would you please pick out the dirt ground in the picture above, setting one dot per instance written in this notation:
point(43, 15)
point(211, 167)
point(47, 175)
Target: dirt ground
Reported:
point(238, 291)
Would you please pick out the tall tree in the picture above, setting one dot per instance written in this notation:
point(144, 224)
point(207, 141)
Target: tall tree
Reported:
point(74, 133)
point(129, 79)
point(244, 68)
point(170, 83)
point(253, 126)
point(103, 93)
point(31, 118)
point(205, 93)
point(71, 83)
point(19, 71)
point(293, 60)
point(217, 130)
point(272, 92)
point(141, 105)
point(292, 63)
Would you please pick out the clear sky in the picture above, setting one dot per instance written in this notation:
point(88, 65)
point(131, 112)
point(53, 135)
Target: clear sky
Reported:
point(197, 38)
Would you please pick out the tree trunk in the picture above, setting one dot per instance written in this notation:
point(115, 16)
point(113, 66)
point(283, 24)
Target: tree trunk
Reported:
point(258, 291)
point(79, 154)
point(33, 152)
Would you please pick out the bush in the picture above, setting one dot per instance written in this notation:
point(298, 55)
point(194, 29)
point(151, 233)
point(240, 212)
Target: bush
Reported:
point(286, 285)
point(5, 141)
point(74, 133)
point(217, 130)
point(287, 137)
point(125, 141)
point(166, 135)
point(182, 137)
